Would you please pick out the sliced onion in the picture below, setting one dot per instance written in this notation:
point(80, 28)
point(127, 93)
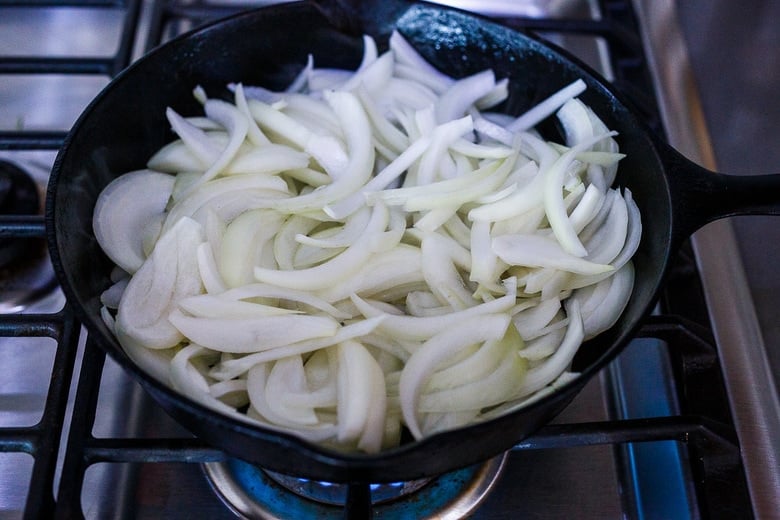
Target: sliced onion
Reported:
point(170, 274)
point(338, 268)
point(369, 250)
point(255, 334)
point(543, 374)
point(419, 327)
point(540, 251)
point(423, 362)
point(535, 115)
point(121, 218)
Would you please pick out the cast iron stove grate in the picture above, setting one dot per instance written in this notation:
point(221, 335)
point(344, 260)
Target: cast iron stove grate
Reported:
point(703, 427)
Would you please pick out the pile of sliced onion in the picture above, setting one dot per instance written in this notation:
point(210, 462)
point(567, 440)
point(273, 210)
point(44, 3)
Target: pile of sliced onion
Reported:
point(369, 251)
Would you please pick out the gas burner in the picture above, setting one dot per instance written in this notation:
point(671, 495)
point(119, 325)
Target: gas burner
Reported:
point(256, 493)
point(26, 273)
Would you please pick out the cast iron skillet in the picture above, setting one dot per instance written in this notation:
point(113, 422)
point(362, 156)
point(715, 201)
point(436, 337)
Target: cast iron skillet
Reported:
point(121, 129)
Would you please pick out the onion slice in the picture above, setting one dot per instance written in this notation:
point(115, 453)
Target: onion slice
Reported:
point(423, 362)
point(369, 250)
point(122, 219)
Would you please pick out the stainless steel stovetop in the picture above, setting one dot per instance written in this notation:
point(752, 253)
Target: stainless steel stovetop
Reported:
point(75, 440)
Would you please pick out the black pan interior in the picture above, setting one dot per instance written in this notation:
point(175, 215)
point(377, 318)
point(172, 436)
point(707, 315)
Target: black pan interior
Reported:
point(126, 124)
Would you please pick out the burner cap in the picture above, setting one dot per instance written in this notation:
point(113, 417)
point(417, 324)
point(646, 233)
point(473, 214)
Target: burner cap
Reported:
point(26, 273)
point(18, 191)
point(18, 196)
point(256, 493)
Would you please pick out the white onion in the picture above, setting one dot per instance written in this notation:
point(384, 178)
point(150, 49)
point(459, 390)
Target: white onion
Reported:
point(369, 249)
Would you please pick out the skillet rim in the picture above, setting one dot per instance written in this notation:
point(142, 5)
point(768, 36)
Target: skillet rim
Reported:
point(340, 461)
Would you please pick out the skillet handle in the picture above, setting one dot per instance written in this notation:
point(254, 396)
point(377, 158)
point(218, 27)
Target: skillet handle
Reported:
point(700, 195)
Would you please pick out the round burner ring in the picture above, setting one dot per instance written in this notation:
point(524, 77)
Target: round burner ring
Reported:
point(256, 493)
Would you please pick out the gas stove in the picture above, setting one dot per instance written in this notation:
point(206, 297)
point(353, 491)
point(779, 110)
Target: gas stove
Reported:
point(683, 424)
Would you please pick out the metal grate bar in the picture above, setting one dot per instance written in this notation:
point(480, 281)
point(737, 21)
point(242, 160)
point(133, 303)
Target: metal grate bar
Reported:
point(42, 440)
point(40, 499)
point(151, 450)
point(22, 226)
point(200, 13)
point(60, 65)
point(62, 3)
point(75, 463)
point(103, 65)
point(679, 428)
point(32, 325)
point(124, 52)
point(614, 33)
point(19, 440)
point(31, 140)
